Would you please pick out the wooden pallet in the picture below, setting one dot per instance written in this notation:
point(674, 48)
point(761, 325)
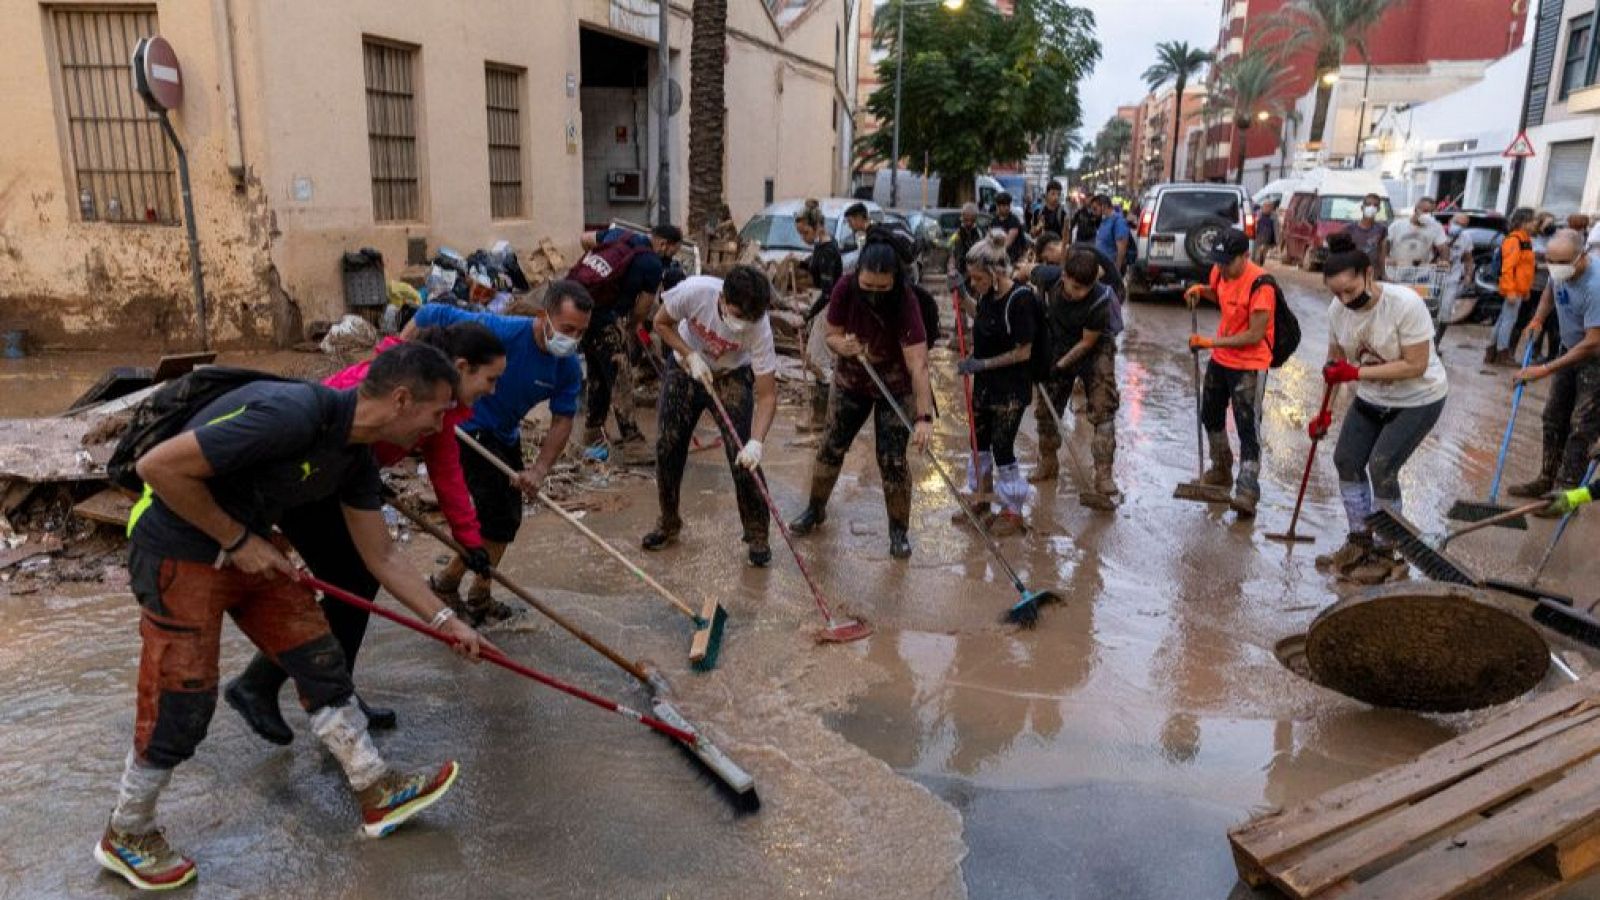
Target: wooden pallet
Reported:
point(1508, 810)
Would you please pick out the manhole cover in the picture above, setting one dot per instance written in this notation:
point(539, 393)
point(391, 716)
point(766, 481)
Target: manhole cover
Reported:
point(1426, 647)
point(1291, 652)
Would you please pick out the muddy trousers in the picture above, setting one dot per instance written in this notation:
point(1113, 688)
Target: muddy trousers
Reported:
point(683, 401)
point(1245, 391)
point(608, 377)
point(1099, 376)
point(1374, 442)
point(319, 534)
point(1571, 422)
point(847, 412)
point(182, 605)
point(997, 421)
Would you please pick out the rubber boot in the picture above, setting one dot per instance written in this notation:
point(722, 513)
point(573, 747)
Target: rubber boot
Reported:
point(1220, 474)
point(1247, 491)
point(636, 451)
point(664, 535)
point(823, 478)
point(1104, 449)
point(1048, 469)
point(379, 718)
point(899, 540)
point(254, 696)
point(1356, 549)
point(1549, 463)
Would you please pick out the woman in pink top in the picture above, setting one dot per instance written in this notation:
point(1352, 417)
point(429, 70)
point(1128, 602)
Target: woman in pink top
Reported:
point(319, 534)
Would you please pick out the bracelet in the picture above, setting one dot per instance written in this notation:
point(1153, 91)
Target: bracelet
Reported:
point(238, 542)
point(925, 417)
point(441, 617)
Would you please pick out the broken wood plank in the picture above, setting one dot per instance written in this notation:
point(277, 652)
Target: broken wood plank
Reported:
point(1328, 865)
point(1574, 855)
point(24, 552)
point(110, 506)
point(1271, 837)
point(1472, 856)
point(15, 494)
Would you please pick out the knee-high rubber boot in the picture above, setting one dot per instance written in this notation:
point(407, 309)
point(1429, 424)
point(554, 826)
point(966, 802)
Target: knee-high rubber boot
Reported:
point(1049, 467)
point(254, 696)
point(823, 478)
point(1104, 450)
point(1247, 491)
point(1221, 472)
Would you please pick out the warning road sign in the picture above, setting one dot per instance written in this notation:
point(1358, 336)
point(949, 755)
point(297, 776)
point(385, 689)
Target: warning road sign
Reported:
point(1521, 147)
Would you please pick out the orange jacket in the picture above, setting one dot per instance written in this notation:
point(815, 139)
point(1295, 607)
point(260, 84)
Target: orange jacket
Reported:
point(1516, 264)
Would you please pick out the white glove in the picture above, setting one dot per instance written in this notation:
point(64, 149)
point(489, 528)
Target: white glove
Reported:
point(750, 456)
point(699, 370)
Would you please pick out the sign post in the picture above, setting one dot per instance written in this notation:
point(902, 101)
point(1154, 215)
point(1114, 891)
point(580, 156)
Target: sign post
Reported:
point(1521, 148)
point(159, 81)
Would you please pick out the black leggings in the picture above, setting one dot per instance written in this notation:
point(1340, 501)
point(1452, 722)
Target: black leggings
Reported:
point(683, 401)
point(847, 412)
point(997, 420)
point(1244, 390)
point(1375, 441)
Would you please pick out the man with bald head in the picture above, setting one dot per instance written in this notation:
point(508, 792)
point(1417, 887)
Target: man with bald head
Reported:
point(1572, 413)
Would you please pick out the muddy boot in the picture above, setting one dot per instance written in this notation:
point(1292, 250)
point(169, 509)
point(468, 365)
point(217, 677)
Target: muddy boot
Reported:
point(814, 517)
point(1104, 450)
point(634, 450)
point(664, 535)
point(760, 553)
point(1380, 565)
point(254, 696)
point(1048, 469)
point(1007, 524)
point(1531, 490)
point(379, 718)
point(1247, 491)
point(483, 609)
point(899, 541)
point(1220, 475)
point(1489, 355)
point(1102, 496)
point(1355, 550)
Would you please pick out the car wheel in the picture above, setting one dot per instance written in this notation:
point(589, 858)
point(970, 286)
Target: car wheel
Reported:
point(1202, 236)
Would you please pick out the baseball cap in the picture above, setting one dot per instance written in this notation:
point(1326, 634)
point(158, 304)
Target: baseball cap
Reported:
point(1229, 246)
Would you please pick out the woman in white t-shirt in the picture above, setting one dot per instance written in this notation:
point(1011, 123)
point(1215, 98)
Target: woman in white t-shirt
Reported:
point(1380, 336)
point(721, 339)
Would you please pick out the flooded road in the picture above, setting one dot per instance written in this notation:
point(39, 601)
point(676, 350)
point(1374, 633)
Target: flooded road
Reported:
point(1103, 755)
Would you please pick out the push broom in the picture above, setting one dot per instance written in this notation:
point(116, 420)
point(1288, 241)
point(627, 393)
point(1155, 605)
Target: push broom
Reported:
point(834, 630)
point(709, 623)
point(1292, 536)
point(666, 719)
point(1532, 589)
point(1025, 612)
point(1198, 490)
point(729, 774)
point(1471, 511)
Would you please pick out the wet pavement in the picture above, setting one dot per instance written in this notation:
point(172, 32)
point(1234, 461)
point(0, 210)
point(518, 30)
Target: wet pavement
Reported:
point(1103, 755)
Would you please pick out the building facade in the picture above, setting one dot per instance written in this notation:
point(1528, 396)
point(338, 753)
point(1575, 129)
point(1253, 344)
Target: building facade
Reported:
point(1563, 176)
point(1153, 131)
point(315, 129)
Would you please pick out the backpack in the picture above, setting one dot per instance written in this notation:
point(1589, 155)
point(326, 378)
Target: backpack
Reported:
point(930, 314)
point(1285, 325)
point(1040, 356)
point(602, 269)
point(164, 414)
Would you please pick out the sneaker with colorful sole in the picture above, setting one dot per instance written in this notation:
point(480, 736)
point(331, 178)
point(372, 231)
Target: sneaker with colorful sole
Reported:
point(147, 861)
point(397, 796)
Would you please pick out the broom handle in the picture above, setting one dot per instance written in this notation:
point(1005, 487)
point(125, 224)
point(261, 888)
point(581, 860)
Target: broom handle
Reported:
point(501, 660)
point(994, 548)
point(1305, 477)
point(1522, 510)
point(772, 508)
point(1505, 442)
point(1561, 529)
point(1061, 429)
point(1199, 424)
point(438, 534)
point(587, 532)
point(966, 380)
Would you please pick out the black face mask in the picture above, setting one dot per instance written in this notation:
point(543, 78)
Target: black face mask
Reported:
point(876, 298)
point(1362, 301)
point(1550, 231)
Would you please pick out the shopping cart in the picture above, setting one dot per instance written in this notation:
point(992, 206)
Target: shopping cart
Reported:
point(1428, 281)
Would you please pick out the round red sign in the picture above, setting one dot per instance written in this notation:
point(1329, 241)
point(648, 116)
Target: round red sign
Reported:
point(157, 74)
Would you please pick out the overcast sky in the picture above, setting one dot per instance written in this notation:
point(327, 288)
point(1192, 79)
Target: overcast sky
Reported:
point(1129, 31)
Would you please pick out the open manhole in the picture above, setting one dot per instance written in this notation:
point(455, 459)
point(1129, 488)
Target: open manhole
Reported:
point(1421, 646)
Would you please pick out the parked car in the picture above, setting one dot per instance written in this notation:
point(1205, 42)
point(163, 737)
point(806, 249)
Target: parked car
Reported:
point(1177, 226)
point(1324, 202)
point(901, 221)
point(948, 221)
point(773, 228)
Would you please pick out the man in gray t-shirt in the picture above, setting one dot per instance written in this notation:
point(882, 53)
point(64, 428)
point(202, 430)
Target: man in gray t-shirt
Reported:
point(1371, 236)
point(1572, 411)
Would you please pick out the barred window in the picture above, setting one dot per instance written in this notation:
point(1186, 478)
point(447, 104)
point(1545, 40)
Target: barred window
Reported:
point(392, 131)
point(123, 168)
point(504, 93)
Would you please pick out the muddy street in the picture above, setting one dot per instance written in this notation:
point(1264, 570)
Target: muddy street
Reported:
point(1104, 754)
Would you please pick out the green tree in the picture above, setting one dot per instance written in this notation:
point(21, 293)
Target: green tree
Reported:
point(1246, 85)
point(1332, 28)
point(1176, 62)
point(979, 87)
point(1111, 146)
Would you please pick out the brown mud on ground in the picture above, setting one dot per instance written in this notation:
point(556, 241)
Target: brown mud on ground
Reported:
point(1103, 755)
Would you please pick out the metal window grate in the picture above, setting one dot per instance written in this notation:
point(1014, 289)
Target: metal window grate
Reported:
point(392, 131)
point(504, 93)
point(123, 167)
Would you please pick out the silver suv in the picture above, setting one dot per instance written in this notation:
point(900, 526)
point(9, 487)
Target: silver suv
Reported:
point(1178, 223)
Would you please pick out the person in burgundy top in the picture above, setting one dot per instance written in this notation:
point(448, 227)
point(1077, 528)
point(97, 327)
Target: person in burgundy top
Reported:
point(874, 313)
point(318, 533)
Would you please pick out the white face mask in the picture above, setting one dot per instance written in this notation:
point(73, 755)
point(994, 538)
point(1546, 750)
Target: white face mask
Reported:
point(735, 327)
point(1370, 212)
point(1561, 273)
point(558, 344)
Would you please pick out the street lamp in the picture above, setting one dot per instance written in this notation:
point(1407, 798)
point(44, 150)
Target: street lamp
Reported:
point(1263, 115)
point(1329, 79)
point(899, 72)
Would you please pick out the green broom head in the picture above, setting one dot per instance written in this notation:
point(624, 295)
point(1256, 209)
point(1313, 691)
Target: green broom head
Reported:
point(1025, 612)
point(715, 627)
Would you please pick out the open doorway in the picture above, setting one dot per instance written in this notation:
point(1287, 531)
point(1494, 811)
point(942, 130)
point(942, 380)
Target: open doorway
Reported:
point(614, 100)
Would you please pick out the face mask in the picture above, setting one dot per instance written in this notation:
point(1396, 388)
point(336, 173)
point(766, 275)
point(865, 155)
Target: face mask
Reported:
point(1561, 273)
point(735, 327)
point(558, 344)
point(1370, 212)
point(1453, 229)
point(1549, 231)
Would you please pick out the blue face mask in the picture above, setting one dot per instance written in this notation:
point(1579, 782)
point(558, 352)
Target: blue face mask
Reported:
point(558, 344)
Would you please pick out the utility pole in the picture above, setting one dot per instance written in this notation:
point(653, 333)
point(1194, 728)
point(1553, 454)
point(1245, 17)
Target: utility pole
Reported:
point(664, 130)
point(1527, 99)
point(899, 74)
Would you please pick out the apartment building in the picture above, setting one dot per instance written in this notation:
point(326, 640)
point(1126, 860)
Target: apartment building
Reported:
point(1564, 110)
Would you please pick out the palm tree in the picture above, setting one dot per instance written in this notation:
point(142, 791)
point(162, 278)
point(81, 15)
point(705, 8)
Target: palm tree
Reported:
point(708, 115)
point(1333, 27)
point(1246, 85)
point(1111, 143)
point(1176, 62)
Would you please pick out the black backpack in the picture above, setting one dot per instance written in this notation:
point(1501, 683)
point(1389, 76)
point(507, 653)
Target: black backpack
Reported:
point(164, 414)
point(1285, 326)
point(1040, 355)
point(930, 314)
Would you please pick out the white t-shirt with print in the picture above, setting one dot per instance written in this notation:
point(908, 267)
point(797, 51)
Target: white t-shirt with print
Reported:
point(1414, 245)
point(694, 304)
point(1375, 336)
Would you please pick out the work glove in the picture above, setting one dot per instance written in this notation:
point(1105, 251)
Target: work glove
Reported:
point(1195, 294)
point(750, 456)
point(477, 560)
point(1340, 371)
point(699, 370)
point(1564, 503)
point(1318, 429)
point(971, 366)
point(1198, 342)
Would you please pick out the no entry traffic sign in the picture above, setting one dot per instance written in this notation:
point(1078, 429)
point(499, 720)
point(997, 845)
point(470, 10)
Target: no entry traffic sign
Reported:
point(156, 75)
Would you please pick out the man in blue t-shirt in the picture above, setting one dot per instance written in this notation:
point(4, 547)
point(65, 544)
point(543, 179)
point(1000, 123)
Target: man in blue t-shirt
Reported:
point(1113, 235)
point(623, 303)
point(541, 365)
point(1572, 411)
